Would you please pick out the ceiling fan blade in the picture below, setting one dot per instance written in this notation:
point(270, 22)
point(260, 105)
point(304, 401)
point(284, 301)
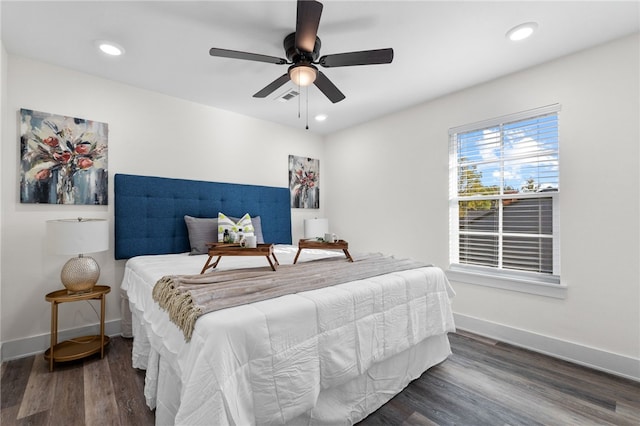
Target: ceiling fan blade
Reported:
point(236, 54)
point(364, 57)
point(307, 22)
point(328, 88)
point(271, 87)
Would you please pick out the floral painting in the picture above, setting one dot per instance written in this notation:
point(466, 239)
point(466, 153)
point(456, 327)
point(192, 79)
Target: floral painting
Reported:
point(304, 178)
point(63, 159)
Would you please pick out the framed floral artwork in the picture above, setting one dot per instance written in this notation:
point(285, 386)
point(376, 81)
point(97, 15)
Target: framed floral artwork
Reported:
point(63, 159)
point(304, 179)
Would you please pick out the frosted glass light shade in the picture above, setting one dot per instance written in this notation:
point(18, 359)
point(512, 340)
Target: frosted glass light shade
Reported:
point(315, 228)
point(303, 75)
point(78, 236)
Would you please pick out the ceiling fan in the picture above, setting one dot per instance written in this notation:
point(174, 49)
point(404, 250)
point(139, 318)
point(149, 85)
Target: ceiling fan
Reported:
point(302, 49)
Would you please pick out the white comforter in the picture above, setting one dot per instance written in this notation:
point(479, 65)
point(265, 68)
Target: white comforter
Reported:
point(266, 363)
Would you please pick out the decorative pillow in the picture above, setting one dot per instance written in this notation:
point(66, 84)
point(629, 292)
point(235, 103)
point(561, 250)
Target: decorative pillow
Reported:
point(201, 231)
point(225, 222)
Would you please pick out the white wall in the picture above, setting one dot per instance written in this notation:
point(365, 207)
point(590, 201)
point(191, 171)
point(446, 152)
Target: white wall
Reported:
point(149, 134)
point(396, 172)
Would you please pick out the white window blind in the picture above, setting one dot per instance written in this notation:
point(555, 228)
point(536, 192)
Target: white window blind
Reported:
point(504, 189)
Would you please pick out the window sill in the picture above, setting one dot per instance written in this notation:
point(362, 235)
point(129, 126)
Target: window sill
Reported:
point(520, 284)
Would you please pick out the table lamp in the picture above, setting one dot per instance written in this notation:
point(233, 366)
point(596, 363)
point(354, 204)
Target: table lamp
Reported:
point(315, 228)
point(78, 236)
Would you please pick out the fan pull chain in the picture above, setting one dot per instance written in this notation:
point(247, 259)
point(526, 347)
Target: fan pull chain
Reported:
point(299, 100)
point(307, 127)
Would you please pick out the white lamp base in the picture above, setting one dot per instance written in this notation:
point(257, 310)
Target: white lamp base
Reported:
point(80, 274)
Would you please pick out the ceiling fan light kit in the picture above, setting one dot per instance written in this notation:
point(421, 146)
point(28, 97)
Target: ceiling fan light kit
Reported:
point(302, 49)
point(303, 75)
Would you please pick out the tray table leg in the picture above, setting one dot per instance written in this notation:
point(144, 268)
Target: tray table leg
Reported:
point(216, 262)
point(346, 253)
point(273, 265)
point(206, 265)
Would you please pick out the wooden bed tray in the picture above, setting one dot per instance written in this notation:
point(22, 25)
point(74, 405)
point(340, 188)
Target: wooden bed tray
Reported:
point(315, 244)
point(226, 249)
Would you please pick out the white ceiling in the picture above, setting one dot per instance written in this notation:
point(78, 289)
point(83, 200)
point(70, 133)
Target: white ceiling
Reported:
point(440, 47)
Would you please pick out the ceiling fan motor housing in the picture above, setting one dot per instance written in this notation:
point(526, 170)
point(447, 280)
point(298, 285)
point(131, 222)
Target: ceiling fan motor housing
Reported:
point(295, 56)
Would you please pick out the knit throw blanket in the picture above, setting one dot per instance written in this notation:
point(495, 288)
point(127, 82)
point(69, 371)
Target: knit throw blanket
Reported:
point(187, 297)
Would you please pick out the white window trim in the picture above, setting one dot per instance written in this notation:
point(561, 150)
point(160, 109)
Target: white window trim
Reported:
point(519, 281)
point(523, 115)
point(512, 280)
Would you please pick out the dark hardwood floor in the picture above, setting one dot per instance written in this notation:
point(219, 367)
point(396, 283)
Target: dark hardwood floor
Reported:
point(483, 383)
point(486, 382)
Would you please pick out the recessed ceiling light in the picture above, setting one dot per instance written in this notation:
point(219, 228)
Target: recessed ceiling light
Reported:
point(110, 48)
point(522, 31)
point(321, 117)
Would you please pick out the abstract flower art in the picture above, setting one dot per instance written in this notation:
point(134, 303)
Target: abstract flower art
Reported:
point(63, 159)
point(304, 179)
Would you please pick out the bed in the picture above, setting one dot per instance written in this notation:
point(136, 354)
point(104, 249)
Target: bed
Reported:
point(327, 356)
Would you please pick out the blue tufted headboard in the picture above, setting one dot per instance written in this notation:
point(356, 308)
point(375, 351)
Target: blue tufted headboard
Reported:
point(149, 211)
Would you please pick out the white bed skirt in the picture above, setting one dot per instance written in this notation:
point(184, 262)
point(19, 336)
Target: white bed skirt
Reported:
point(343, 405)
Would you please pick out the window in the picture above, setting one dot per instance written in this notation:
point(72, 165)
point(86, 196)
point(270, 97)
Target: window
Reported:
point(504, 196)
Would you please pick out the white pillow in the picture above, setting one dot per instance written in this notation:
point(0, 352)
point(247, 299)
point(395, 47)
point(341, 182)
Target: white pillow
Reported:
point(225, 222)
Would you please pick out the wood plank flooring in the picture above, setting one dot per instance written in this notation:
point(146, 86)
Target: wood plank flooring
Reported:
point(93, 391)
point(491, 383)
point(484, 382)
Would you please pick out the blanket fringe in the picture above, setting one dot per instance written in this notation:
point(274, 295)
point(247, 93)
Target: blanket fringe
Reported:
point(179, 305)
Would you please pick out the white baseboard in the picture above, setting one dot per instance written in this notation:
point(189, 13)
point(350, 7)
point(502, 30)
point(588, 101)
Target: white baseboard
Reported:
point(34, 345)
point(619, 365)
point(598, 359)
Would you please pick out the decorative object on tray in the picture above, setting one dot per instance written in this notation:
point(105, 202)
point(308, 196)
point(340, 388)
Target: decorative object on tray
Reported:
point(321, 244)
point(232, 232)
point(78, 236)
point(304, 180)
point(63, 159)
point(330, 238)
point(250, 241)
point(237, 249)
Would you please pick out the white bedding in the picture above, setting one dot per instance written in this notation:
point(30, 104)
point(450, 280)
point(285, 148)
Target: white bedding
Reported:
point(327, 356)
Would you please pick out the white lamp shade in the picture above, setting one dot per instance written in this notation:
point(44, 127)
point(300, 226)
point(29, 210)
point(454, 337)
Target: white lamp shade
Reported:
point(78, 236)
point(315, 228)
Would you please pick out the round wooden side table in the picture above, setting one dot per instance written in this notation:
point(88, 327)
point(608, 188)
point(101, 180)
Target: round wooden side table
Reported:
point(77, 347)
